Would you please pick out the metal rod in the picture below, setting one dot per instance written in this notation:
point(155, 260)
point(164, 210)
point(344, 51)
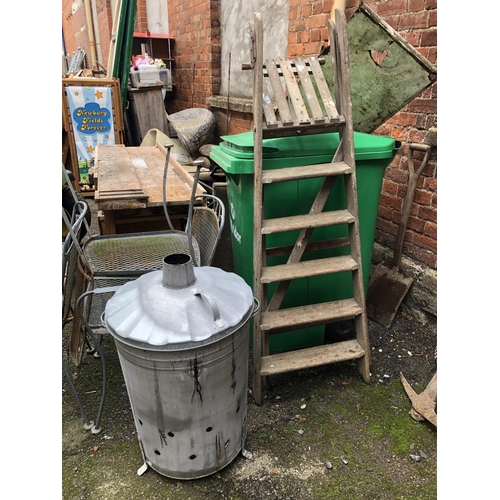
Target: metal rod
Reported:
point(95, 429)
point(228, 93)
point(88, 423)
point(192, 87)
point(190, 216)
point(164, 193)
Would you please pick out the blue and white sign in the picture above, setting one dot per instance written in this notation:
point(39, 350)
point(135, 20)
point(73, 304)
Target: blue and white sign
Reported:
point(91, 111)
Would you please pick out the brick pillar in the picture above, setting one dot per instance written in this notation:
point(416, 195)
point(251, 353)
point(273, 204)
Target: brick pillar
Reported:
point(196, 28)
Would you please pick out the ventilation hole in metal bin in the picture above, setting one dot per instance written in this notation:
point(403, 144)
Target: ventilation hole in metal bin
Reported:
point(140, 421)
point(192, 457)
point(171, 434)
point(208, 429)
point(157, 452)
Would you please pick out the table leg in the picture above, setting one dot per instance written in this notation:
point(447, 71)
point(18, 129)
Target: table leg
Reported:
point(107, 225)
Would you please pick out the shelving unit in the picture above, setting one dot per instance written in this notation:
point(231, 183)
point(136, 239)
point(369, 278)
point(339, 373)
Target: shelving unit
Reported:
point(156, 45)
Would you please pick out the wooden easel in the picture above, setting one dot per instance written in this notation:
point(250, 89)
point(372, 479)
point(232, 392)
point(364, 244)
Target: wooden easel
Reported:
point(70, 157)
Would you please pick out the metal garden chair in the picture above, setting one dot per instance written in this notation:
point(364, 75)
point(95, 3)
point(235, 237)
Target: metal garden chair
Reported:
point(106, 262)
point(71, 287)
point(206, 226)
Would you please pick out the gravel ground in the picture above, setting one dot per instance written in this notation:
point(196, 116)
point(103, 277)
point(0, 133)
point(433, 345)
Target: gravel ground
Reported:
point(319, 434)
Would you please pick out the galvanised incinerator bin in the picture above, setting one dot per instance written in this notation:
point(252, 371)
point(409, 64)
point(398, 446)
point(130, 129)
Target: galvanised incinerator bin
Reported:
point(182, 340)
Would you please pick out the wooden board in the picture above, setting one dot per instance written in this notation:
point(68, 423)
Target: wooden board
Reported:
point(324, 91)
point(311, 357)
point(294, 92)
point(310, 93)
point(137, 172)
point(117, 177)
point(279, 95)
point(149, 163)
point(149, 109)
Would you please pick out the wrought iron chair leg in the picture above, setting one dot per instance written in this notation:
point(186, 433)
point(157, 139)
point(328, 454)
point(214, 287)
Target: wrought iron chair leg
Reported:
point(88, 423)
point(95, 428)
point(90, 349)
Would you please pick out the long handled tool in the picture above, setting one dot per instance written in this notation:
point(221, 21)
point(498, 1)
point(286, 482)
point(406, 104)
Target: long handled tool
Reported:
point(388, 286)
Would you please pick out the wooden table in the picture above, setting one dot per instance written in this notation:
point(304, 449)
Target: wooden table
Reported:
point(130, 185)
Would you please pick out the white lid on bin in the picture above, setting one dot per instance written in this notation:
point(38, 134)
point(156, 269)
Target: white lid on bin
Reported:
point(146, 314)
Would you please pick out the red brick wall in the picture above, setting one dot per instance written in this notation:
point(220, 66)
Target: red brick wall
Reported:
point(416, 21)
point(307, 27)
point(197, 72)
point(75, 28)
point(76, 31)
point(141, 18)
point(196, 29)
point(68, 29)
point(104, 27)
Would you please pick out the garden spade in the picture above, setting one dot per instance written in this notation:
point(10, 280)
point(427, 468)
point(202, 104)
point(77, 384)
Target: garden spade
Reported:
point(388, 286)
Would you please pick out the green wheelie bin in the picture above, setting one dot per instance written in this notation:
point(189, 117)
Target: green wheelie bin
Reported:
point(235, 156)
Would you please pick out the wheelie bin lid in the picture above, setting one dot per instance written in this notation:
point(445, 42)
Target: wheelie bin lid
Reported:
point(235, 153)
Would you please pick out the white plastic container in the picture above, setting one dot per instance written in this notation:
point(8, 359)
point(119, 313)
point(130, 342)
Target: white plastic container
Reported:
point(149, 74)
point(134, 78)
point(166, 77)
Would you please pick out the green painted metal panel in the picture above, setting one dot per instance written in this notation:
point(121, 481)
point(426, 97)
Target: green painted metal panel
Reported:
point(386, 71)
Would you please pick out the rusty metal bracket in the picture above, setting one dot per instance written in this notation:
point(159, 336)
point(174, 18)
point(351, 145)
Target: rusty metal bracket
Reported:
point(424, 404)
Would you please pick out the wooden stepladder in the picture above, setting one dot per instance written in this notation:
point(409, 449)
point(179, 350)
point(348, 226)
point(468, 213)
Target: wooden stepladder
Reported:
point(292, 98)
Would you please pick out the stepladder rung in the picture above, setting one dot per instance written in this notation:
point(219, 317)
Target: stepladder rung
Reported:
point(309, 315)
point(305, 172)
point(309, 268)
point(307, 221)
point(278, 251)
point(311, 357)
point(296, 129)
